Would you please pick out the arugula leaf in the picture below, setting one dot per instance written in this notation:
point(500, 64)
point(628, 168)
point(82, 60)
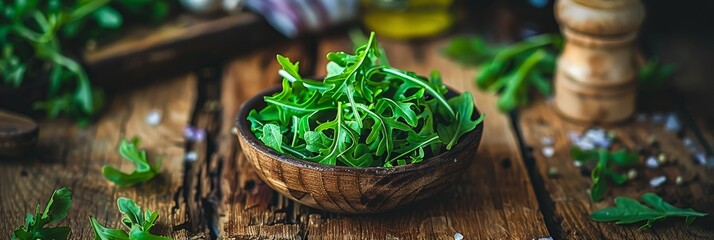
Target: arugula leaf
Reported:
point(622, 158)
point(34, 34)
point(108, 17)
point(137, 223)
point(653, 74)
point(364, 114)
point(464, 106)
point(628, 210)
point(272, 137)
point(55, 210)
point(470, 50)
point(510, 71)
point(143, 171)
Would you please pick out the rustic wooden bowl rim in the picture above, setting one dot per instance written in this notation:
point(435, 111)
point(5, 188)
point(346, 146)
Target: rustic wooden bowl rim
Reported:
point(245, 132)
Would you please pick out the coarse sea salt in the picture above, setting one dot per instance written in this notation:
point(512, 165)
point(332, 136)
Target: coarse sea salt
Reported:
point(652, 162)
point(672, 123)
point(657, 181)
point(153, 118)
point(191, 156)
point(458, 236)
point(700, 157)
point(547, 141)
point(548, 151)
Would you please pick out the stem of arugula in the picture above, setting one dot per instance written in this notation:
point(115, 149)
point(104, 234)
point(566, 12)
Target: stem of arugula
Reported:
point(429, 89)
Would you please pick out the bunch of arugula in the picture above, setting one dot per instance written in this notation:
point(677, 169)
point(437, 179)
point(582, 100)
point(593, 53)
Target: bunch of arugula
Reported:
point(604, 167)
point(628, 210)
point(510, 71)
point(139, 224)
point(365, 113)
point(143, 171)
point(55, 210)
point(31, 33)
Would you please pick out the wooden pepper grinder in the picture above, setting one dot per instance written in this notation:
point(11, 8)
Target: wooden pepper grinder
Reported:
point(596, 78)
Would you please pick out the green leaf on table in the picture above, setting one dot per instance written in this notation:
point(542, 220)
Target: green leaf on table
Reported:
point(137, 222)
point(55, 210)
point(509, 71)
point(653, 74)
point(624, 158)
point(143, 170)
point(604, 167)
point(108, 17)
point(472, 50)
point(628, 210)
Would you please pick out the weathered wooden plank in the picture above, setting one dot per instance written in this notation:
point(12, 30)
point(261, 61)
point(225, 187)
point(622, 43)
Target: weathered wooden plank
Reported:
point(70, 156)
point(187, 41)
point(248, 207)
point(493, 200)
point(566, 193)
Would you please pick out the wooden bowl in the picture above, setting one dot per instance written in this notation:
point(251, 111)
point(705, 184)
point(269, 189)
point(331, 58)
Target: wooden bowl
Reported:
point(18, 134)
point(349, 189)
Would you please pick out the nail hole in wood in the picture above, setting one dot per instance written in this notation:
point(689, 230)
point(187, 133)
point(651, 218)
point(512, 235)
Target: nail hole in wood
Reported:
point(584, 172)
point(249, 185)
point(506, 163)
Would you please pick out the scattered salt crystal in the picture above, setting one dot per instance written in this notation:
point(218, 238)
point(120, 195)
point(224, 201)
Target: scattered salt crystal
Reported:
point(657, 118)
point(458, 236)
point(153, 118)
point(577, 164)
point(191, 156)
point(548, 152)
point(700, 157)
point(194, 134)
point(657, 181)
point(595, 134)
point(585, 145)
point(200, 135)
point(545, 238)
point(641, 117)
point(573, 136)
point(672, 123)
point(188, 132)
point(689, 144)
point(710, 162)
point(547, 141)
point(597, 137)
point(652, 162)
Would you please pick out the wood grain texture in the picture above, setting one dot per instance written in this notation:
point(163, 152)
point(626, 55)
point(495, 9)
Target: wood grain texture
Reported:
point(70, 156)
point(176, 46)
point(595, 78)
point(493, 200)
point(567, 196)
point(248, 208)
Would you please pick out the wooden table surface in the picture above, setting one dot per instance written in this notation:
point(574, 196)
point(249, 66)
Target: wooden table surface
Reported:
point(505, 194)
